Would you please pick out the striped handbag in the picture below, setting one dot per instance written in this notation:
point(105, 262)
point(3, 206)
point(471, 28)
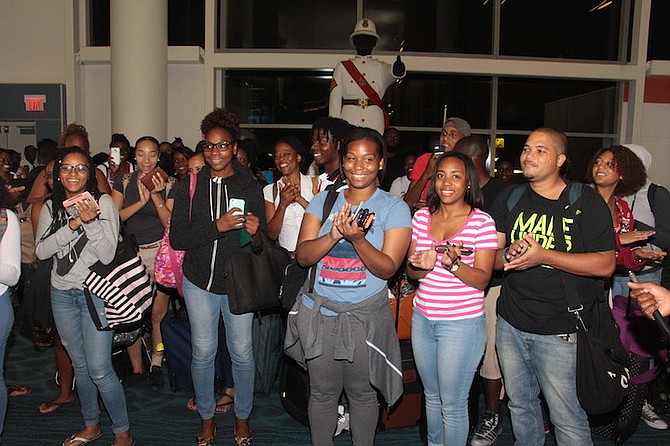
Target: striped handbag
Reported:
point(124, 285)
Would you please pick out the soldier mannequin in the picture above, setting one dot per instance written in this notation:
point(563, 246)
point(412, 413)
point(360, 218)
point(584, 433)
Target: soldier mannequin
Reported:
point(348, 100)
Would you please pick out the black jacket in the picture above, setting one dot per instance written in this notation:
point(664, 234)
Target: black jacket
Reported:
point(206, 248)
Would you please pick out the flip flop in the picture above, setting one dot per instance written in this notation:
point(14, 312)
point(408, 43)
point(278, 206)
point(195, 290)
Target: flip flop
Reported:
point(18, 390)
point(70, 441)
point(52, 406)
point(225, 406)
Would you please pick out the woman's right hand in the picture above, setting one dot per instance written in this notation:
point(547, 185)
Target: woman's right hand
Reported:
point(229, 221)
point(288, 194)
point(143, 192)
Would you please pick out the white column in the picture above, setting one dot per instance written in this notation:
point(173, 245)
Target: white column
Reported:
point(138, 33)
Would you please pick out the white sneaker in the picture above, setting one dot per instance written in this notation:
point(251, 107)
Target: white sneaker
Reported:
point(342, 420)
point(650, 417)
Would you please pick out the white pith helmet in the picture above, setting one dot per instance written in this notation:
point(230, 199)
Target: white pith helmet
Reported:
point(364, 27)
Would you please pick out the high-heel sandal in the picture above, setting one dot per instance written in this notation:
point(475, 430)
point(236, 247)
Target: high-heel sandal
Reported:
point(244, 441)
point(199, 441)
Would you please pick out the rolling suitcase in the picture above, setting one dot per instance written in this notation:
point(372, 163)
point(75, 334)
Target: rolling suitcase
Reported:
point(176, 332)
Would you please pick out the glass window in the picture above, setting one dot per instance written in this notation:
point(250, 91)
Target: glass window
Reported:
point(568, 105)
point(420, 100)
point(277, 97)
point(423, 25)
point(299, 97)
point(659, 32)
point(186, 22)
point(445, 26)
point(568, 29)
point(295, 24)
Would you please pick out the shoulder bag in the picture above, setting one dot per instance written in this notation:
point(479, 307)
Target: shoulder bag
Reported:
point(253, 278)
point(124, 285)
point(168, 263)
point(602, 361)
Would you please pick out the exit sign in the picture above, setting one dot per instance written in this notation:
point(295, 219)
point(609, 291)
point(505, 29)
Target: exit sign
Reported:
point(34, 102)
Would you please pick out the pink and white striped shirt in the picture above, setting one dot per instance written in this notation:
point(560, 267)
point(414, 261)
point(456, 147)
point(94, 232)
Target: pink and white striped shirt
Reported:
point(441, 295)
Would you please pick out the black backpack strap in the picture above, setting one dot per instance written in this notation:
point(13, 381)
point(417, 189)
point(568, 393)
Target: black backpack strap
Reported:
point(651, 196)
point(328, 204)
point(515, 196)
point(575, 305)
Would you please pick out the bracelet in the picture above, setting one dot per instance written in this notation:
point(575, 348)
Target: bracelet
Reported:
point(504, 255)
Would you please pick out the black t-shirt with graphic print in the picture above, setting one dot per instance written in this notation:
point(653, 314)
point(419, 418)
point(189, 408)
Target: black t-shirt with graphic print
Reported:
point(534, 300)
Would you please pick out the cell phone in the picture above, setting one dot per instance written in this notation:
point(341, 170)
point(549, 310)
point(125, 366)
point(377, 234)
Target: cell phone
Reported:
point(438, 149)
point(70, 204)
point(236, 203)
point(115, 155)
point(146, 179)
point(466, 251)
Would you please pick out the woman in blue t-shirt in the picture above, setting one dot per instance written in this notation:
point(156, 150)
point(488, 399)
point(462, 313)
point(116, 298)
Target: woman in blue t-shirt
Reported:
point(344, 327)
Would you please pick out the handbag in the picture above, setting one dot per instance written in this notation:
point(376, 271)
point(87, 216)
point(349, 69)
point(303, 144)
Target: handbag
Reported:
point(168, 263)
point(602, 375)
point(602, 362)
point(295, 276)
point(253, 278)
point(124, 285)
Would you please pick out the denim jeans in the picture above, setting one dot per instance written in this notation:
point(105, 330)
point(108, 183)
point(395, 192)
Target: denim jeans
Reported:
point(620, 282)
point(447, 354)
point(533, 363)
point(91, 353)
point(204, 309)
point(6, 322)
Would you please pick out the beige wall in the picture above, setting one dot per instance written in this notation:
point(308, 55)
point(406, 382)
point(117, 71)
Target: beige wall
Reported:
point(33, 41)
point(656, 139)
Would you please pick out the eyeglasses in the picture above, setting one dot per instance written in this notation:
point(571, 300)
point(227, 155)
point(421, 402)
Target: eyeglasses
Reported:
point(79, 168)
point(221, 146)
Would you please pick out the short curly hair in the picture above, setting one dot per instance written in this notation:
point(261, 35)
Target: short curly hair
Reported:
point(628, 166)
point(73, 129)
point(221, 118)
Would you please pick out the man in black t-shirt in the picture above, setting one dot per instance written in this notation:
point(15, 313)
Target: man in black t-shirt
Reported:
point(536, 335)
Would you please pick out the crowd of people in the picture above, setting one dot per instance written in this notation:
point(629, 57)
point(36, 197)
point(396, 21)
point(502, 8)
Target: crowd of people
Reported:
point(488, 258)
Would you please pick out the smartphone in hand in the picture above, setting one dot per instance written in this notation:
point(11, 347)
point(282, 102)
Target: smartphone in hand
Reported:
point(236, 203)
point(115, 155)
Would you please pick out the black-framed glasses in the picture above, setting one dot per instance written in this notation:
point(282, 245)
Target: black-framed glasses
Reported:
point(79, 168)
point(221, 146)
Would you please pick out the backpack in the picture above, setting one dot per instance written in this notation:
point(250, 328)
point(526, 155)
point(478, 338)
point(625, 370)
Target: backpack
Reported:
point(574, 192)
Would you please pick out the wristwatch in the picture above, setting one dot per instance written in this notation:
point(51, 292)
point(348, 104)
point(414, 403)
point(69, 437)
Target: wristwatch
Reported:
point(454, 266)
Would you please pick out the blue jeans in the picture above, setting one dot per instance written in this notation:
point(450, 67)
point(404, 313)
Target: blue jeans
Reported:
point(620, 282)
point(447, 354)
point(91, 353)
point(533, 363)
point(204, 309)
point(6, 322)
